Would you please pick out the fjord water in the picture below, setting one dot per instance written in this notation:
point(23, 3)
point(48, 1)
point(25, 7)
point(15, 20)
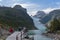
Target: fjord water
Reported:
point(38, 33)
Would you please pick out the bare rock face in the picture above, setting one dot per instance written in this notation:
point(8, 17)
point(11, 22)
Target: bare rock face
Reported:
point(40, 14)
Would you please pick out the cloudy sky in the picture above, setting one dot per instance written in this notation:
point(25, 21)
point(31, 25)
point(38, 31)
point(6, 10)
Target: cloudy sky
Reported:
point(33, 6)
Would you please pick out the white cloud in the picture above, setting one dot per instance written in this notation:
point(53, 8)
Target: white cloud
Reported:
point(32, 13)
point(31, 7)
point(23, 5)
point(47, 10)
point(0, 0)
point(26, 5)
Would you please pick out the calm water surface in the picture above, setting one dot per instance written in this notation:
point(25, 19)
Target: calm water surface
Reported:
point(38, 33)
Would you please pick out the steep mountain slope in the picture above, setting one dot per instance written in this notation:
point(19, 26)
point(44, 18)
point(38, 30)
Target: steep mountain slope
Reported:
point(40, 14)
point(52, 14)
point(16, 17)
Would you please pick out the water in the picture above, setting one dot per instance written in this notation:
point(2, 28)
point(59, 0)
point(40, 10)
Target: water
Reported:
point(38, 33)
point(39, 25)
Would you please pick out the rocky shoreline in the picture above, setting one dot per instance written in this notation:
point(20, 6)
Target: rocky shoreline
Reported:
point(4, 34)
point(52, 35)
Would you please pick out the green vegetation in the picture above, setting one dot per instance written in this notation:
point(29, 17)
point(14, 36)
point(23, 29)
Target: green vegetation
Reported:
point(54, 25)
point(15, 18)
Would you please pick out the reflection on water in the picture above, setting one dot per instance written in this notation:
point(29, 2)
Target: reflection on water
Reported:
point(41, 37)
point(37, 33)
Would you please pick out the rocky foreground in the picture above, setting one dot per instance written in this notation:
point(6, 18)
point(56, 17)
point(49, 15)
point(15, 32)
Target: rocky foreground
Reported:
point(53, 36)
point(4, 35)
point(18, 36)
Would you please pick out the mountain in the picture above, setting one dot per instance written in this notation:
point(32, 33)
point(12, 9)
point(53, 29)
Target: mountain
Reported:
point(20, 8)
point(51, 15)
point(16, 17)
point(40, 14)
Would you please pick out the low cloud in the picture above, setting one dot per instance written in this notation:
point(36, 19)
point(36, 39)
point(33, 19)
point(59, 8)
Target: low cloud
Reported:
point(26, 5)
point(31, 7)
point(47, 10)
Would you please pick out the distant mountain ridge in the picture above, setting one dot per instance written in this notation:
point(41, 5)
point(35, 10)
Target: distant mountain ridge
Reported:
point(51, 15)
point(40, 14)
point(16, 17)
point(20, 8)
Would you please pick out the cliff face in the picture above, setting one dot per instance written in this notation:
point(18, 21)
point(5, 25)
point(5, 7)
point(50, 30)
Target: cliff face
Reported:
point(16, 17)
point(40, 14)
point(51, 15)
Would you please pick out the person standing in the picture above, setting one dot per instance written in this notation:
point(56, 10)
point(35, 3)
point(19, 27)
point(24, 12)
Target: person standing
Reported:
point(11, 30)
